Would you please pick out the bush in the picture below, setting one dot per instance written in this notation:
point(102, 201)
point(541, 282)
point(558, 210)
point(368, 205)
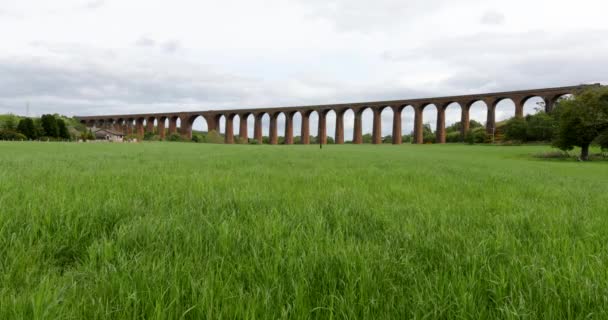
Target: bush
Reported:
point(477, 135)
point(174, 137)
point(150, 136)
point(12, 135)
point(516, 129)
point(452, 137)
point(214, 137)
point(540, 127)
point(469, 137)
point(254, 141)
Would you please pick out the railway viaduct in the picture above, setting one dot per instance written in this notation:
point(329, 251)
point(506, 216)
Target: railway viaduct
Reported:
point(141, 123)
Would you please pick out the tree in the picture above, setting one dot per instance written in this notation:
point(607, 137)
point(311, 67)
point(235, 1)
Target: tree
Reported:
point(27, 128)
point(602, 140)
point(540, 127)
point(62, 129)
point(49, 126)
point(427, 134)
point(10, 123)
point(456, 126)
point(516, 129)
point(581, 120)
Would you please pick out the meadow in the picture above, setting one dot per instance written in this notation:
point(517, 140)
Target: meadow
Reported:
point(183, 230)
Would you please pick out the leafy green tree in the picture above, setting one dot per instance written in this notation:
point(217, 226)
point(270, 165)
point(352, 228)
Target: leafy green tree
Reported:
point(62, 129)
point(581, 120)
point(453, 136)
point(27, 128)
point(516, 129)
point(367, 138)
point(427, 133)
point(10, 123)
point(49, 125)
point(456, 126)
point(602, 140)
point(541, 127)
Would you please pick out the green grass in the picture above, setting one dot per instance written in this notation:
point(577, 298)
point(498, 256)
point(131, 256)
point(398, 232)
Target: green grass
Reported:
point(168, 231)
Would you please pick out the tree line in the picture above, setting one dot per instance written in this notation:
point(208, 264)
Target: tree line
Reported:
point(47, 127)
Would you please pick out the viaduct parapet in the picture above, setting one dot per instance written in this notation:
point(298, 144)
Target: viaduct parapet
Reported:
point(140, 123)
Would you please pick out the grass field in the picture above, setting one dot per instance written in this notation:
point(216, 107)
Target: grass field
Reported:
point(169, 231)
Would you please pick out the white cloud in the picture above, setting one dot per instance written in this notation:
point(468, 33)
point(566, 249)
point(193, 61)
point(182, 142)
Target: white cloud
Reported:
point(493, 18)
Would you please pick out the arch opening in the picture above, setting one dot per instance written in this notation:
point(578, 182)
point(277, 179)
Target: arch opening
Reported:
point(429, 123)
point(453, 122)
point(386, 120)
point(349, 125)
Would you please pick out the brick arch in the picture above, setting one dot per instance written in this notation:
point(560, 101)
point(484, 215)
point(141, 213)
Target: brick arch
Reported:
point(550, 95)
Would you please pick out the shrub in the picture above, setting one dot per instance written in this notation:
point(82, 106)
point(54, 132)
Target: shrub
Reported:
point(214, 137)
point(253, 141)
point(239, 140)
point(150, 136)
point(12, 135)
point(540, 127)
point(174, 137)
point(453, 137)
point(477, 135)
point(516, 129)
point(406, 138)
point(469, 137)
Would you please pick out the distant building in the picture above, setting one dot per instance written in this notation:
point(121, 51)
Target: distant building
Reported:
point(108, 135)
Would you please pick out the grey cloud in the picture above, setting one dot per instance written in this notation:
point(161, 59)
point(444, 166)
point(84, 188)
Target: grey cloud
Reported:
point(89, 88)
point(491, 61)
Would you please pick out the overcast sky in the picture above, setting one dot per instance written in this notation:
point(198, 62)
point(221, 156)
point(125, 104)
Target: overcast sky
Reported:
point(89, 57)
